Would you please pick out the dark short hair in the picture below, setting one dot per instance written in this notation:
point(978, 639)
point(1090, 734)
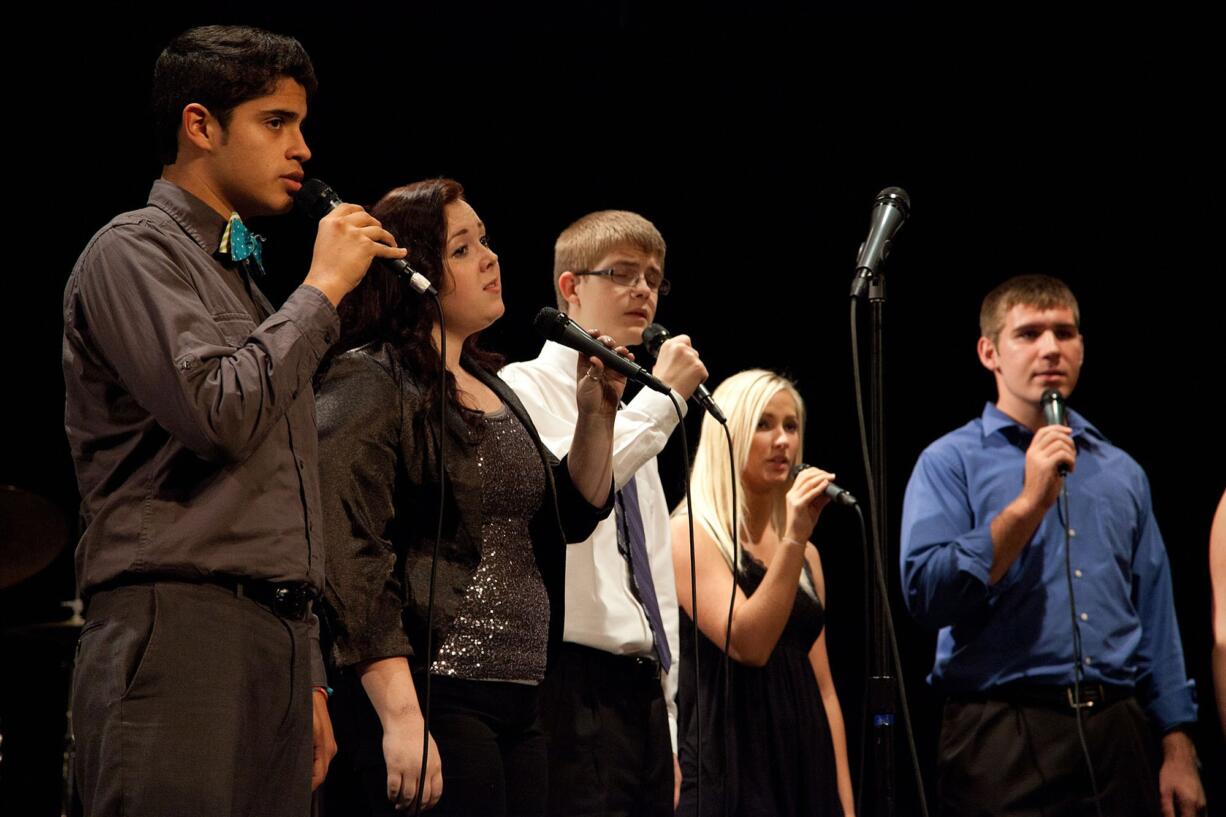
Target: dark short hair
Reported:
point(220, 67)
point(1041, 291)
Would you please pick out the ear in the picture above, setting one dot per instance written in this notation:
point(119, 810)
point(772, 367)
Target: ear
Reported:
point(198, 127)
point(987, 354)
point(567, 282)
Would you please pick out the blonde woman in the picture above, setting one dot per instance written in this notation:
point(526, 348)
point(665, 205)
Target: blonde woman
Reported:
point(777, 746)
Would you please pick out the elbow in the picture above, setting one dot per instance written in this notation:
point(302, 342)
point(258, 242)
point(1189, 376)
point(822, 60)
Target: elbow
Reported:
point(221, 450)
point(752, 652)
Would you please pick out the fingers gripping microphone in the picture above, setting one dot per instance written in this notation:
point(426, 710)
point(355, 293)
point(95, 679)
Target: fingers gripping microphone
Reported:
point(836, 494)
point(890, 210)
point(653, 338)
point(315, 199)
point(558, 327)
point(1055, 414)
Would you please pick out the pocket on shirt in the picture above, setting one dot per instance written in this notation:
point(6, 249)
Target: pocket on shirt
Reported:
point(235, 329)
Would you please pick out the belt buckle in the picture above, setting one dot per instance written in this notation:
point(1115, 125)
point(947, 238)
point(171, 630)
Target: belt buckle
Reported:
point(1085, 703)
point(289, 600)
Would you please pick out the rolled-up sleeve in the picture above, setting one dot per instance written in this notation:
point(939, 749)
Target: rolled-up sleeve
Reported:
point(579, 517)
point(359, 408)
point(945, 557)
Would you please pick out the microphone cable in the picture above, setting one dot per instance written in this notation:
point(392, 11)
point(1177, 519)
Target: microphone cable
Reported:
point(1066, 521)
point(438, 535)
point(689, 516)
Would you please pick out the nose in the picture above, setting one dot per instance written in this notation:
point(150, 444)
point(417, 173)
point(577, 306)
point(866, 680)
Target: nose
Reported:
point(1048, 344)
point(640, 287)
point(299, 151)
point(491, 257)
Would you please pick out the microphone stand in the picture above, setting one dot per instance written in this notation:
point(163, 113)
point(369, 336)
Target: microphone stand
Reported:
point(883, 685)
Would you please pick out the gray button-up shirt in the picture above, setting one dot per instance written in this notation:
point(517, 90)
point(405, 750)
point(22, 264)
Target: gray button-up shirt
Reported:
point(189, 408)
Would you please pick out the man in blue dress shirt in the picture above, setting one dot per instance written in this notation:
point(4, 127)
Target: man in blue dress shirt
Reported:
point(984, 561)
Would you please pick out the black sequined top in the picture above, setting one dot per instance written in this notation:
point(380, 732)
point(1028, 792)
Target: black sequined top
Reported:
point(379, 467)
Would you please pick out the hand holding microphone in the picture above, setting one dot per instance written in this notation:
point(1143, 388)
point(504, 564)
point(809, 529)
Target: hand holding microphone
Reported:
point(349, 239)
point(834, 492)
point(678, 364)
point(1051, 455)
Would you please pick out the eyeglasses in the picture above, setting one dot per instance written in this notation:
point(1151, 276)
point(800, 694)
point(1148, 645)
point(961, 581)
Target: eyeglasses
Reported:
point(656, 282)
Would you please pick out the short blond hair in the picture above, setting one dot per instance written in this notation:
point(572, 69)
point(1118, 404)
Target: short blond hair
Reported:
point(584, 243)
point(1039, 291)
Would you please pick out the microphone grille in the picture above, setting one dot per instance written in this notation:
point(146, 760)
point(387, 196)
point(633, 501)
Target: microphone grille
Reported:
point(315, 199)
point(654, 337)
point(549, 322)
point(797, 468)
point(897, 197)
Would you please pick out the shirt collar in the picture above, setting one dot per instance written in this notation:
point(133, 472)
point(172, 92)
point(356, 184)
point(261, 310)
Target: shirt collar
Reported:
point(204, 224)
point(994, 420)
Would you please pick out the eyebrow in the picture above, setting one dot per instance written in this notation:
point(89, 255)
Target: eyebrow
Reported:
point(463, 230)
point(1043, 325)
point(288, 115)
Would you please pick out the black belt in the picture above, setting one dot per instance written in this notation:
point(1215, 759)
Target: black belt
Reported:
point(1090, 697)
point(288, 600)
point(626, 665)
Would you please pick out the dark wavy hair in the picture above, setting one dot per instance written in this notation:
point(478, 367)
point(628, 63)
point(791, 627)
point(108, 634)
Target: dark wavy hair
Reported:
point(383, 308)
point(220, 67)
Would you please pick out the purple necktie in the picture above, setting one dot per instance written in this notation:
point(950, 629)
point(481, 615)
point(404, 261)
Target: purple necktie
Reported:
point(632, 542)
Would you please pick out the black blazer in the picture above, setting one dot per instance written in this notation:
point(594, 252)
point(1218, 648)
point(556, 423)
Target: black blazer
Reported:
point(379, 460)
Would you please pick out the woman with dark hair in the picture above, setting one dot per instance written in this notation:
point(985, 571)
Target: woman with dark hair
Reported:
point(509, 510)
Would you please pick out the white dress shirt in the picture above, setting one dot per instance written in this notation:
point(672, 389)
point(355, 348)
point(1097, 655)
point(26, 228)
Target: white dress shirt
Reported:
point(601, 610)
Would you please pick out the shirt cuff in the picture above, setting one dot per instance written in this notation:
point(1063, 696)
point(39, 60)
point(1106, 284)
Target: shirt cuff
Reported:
point(1174, 709)
point(659, 408)
point(314, 316)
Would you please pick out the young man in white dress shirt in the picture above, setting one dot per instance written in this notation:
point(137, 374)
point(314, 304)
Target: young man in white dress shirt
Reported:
point(609, 700)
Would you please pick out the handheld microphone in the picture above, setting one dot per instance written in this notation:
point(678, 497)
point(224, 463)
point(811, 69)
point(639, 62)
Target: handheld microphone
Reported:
point(890, 209)
point(558, 327)
point(315, 199)
point(836, 494)
point(1054, 413)
point(653, 338)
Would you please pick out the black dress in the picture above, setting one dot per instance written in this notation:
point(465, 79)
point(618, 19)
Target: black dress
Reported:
point(771, 742)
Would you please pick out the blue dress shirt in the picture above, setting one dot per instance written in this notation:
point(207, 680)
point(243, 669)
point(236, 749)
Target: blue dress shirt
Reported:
point(1019, 629)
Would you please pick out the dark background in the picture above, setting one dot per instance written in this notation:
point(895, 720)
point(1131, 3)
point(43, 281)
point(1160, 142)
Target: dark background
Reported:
point(755, 140)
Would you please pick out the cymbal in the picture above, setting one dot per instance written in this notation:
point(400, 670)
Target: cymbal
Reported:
point(33, 531)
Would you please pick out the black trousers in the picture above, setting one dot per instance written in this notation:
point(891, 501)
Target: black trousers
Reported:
point(1005, 758)
point(489, 741)
point(609, 747)
point(188, 700)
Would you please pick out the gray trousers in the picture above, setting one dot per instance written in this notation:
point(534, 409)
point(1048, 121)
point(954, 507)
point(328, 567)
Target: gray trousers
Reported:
point(188, 700)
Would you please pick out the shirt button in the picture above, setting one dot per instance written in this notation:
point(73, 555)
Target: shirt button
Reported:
point(327, 337)
point(1072, 532)
point(1087, 660)
point(301, 462)
point(1085, 616)
point(1077, 573)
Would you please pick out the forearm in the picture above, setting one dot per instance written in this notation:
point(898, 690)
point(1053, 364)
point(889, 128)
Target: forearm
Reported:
point(838, 735)
point(1011, 530)
point(758, 622)
point(1219, 680)
point(590, 460)
point(389, 685)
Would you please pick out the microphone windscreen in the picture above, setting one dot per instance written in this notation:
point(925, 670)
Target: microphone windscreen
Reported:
point(654, 337)
point(315, 199)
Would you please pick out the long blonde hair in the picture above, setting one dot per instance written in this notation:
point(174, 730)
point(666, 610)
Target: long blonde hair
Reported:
point(743, 397)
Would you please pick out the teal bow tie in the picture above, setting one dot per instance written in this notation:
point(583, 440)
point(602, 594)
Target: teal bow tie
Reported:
point(240, 243)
